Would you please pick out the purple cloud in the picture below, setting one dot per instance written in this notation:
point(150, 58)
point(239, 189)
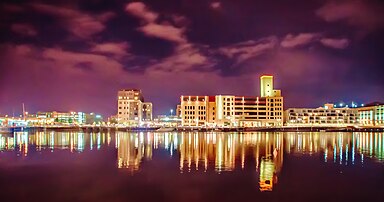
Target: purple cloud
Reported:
point(185, 58)
point(78, 23)
point(141, 11)
point(110, 48)
point(302, 39)
point(341, 43)
point(24, 29)
point(151, 28)
point(245, 50)
point(164, 31)
point(367, 15)
point(215, 5)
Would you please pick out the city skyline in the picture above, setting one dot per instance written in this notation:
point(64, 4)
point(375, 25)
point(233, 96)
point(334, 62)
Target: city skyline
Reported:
point(75, 56)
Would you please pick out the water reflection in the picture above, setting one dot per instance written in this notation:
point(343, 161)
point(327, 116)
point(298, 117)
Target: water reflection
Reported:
point(72, 141)
point(131, 149)
point(202, 152)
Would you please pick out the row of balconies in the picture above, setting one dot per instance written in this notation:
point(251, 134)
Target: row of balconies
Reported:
point(323, 114)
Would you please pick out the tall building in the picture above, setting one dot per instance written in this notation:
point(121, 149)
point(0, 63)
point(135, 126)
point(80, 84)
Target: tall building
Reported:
point(132, 110)
point(231, 110)
point(266, 86)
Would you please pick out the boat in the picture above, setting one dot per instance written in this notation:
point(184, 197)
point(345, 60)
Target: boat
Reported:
point(165, 129)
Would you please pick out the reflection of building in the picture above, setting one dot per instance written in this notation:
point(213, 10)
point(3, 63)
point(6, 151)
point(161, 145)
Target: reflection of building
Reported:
point(73, 141)
point(219, 152)
point(267, 170)
point(131, 150)
point(132, 109)
point(322, 116)
point(230, 110)
point(6, 143)
point(371, 114)
point(225, 152)
point(337, 147)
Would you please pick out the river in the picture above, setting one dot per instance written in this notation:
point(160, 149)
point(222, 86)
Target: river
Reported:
point(192, 166)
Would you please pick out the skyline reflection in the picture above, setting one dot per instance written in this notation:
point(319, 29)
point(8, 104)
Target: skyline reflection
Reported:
point(202, 152)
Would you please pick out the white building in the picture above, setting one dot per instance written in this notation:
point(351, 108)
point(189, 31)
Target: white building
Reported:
point(132, 110)
point(371, 115)
point(322, 116)
point(231, 110)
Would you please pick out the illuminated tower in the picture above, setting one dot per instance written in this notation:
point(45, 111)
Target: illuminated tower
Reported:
point(266, 86)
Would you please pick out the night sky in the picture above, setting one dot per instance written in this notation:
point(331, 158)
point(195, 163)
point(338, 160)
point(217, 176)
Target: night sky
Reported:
point(75, 55)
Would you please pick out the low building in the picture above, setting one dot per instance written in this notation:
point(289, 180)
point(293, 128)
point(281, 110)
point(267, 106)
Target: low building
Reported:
point(194, 110)
point(322, 116)
point(167, 121)
point(259, 111)
point(234, 111)
point(371, 114)
point(63, 117)
point(93, 118)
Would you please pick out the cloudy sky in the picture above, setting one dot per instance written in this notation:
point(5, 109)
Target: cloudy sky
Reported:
point(76, 55)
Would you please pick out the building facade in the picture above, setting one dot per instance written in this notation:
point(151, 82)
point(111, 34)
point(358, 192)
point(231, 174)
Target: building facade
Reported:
point(371, 115)
point(132, 110)
point(147, 111)
point(322, 116)
point(237, 111)
point(259, 111)
point(194, 110)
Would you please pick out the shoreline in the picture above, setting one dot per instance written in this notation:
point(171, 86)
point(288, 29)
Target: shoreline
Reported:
point(191, 129)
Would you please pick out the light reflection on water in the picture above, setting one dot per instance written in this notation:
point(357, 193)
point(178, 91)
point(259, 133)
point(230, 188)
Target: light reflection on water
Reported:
point(200, 152)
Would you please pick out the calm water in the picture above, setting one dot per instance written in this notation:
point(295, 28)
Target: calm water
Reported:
point(74, 166)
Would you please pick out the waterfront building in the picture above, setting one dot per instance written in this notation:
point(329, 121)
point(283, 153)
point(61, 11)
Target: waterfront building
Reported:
point(132, 110)
point(322, 116)
point(147, 111)
point(194, 110)
point(167, 121)
point(266, 87)
point(371, 114)
point(57, 117)
point(259, 111)
point(237, 111)
point(178, 111)
point(93, 118)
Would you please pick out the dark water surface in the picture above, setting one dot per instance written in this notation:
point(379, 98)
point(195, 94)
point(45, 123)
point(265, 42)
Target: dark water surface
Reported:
point(74, 166)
